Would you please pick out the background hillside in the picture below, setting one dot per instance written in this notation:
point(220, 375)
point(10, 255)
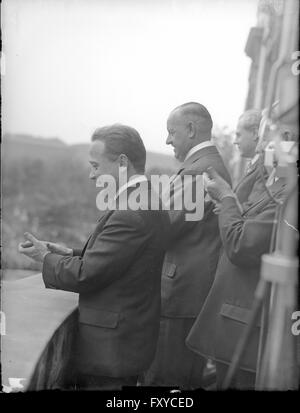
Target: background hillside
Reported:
point(20, 147)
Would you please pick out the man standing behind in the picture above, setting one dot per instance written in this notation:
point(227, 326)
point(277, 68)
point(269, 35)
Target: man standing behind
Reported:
point(246, 236)
point(192, 254)
point(117, 274)
point(251, 184)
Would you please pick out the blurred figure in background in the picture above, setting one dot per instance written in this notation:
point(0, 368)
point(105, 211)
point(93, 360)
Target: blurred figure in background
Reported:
point(255, 175)
point(251, 183)
point(192, 255)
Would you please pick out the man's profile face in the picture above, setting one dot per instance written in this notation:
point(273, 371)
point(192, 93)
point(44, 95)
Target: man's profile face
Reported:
point(246, 140)
point(100, 163)
point(178, 135)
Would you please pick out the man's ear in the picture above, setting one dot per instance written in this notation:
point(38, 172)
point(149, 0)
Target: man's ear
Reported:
point(255, 136)
point(123, 160)
point(191, 129)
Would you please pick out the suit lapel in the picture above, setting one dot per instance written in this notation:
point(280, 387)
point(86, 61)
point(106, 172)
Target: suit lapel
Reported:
point(188, 162)
point(197, 155)
point(101, 221)
point(244, 178)
point(277, 190)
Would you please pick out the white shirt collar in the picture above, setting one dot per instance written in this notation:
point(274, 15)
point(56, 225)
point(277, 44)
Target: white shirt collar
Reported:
point(272, 178)
point(197, 148)
point(132, 181)
point(254, 159)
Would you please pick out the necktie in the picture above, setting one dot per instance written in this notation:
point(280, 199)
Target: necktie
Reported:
point(248, 167)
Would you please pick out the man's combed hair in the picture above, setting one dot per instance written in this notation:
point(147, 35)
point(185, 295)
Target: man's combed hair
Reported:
point(197, 112)
point(251, 119)
point(121, 139)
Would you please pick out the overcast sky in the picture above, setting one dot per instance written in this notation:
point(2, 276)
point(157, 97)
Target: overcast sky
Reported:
point(74, 65)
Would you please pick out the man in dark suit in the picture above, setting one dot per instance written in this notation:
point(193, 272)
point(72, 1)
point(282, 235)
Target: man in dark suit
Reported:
point(245, 237)
point(192, 254)
point(118, 272)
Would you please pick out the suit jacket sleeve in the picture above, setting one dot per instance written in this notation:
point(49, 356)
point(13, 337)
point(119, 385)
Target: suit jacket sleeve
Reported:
point(245, 239)
point(112, 252)
point(76, 252)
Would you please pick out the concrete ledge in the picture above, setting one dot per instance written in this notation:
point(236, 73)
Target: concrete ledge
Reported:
point(39, 330)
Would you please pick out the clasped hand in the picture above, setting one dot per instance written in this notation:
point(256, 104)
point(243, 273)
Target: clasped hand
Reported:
point(37, 249)
point(216, 187)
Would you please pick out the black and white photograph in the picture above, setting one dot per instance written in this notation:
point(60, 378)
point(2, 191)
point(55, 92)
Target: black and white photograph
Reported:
point(149, 198)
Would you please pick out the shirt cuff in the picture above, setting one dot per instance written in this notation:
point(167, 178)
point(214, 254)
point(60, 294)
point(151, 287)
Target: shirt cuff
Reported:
point(229, 195)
